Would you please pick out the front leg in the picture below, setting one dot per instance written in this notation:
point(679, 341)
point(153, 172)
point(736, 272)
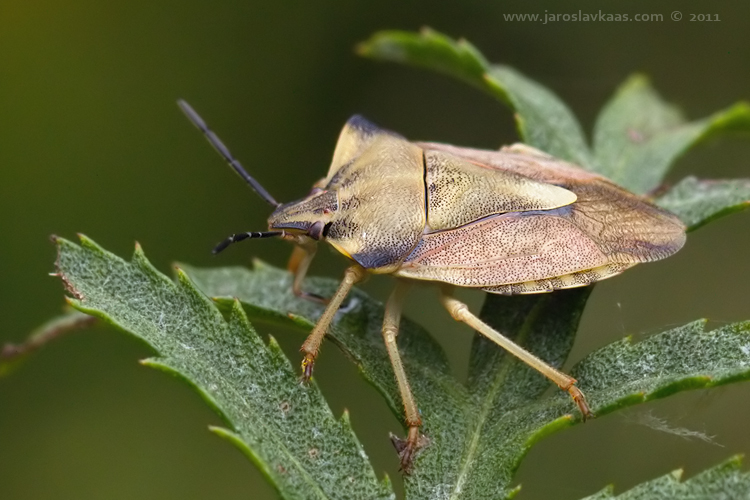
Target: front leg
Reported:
point(310, 348)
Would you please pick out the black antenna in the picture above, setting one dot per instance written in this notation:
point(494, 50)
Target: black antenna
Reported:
point(224, 152)
point(243, 236)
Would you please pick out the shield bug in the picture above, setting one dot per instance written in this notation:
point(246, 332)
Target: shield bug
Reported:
point(513, 221)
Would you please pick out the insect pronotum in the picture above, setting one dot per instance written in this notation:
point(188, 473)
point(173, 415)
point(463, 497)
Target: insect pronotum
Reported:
point(512, 221)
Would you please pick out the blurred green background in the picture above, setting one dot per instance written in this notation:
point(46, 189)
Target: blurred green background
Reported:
point(91, 141)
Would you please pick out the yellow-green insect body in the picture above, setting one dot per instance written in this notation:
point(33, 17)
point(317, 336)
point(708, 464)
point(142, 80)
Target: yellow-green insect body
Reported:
point(511, 221)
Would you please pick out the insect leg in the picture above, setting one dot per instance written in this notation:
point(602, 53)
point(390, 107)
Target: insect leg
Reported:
point(461, 312)
point(298, 265)
point(406, 448)
point(352, 275)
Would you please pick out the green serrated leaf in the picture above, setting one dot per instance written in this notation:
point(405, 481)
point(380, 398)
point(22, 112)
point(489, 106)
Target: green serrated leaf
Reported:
point(638, 136)
point(479, 432)
point(681, 358)
point(543, 120)
point(699, 201)
point(284, 426)
point(429, 49)
point(723, 482)
point(443, 401)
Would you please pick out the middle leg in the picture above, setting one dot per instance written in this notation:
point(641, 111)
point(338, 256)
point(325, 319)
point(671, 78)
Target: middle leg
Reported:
point(408, 447)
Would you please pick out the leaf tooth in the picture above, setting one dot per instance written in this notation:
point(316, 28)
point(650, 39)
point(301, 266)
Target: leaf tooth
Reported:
point(608, 491)
point(388, 485)
point(185, 285)
point(259, 264)
point(634, 81)
point(153, 363)
point(278, 354)
point(345, 418)
point(139, 259)
point(72, 301)
point(300, 321)
point(470, 49)
point(182, 276)
point(238, 311)
point(512, 493)
point(734, 462)
point(88, 244)
point(428, 32)
point(273, 344)
point(677, 474)
point(496, 87)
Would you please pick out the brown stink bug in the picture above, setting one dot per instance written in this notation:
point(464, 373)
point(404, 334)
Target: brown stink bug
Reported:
point(512, 221)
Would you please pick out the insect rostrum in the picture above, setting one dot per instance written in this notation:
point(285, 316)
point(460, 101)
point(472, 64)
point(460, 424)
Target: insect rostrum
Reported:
point(513, 221)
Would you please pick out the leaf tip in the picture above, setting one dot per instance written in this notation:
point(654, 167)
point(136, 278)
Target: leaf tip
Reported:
point(300, 321)
point(677, 474)
point(735, 461)
point(138, 253)
point(238, 312)
point(512, 493)
point(273, 344)
point(87, 242)
point(426, 31)
point(183, 278)
point(345, 417)
point(637, 80)
point(259, 264)
point(181, 274)
point(361, 49)
point(150, 362)
point(223, 432)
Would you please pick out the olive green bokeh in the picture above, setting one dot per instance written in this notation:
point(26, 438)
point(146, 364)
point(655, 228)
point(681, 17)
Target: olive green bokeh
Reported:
point(91, 141)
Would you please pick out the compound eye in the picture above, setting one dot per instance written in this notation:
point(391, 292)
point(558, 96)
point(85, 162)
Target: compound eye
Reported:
point(316, 230)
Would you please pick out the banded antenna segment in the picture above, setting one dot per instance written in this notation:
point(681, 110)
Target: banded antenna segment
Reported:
point(219, 146)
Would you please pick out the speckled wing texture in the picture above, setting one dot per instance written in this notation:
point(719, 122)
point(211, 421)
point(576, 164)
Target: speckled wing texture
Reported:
point(606, 231)
point(459, 191)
